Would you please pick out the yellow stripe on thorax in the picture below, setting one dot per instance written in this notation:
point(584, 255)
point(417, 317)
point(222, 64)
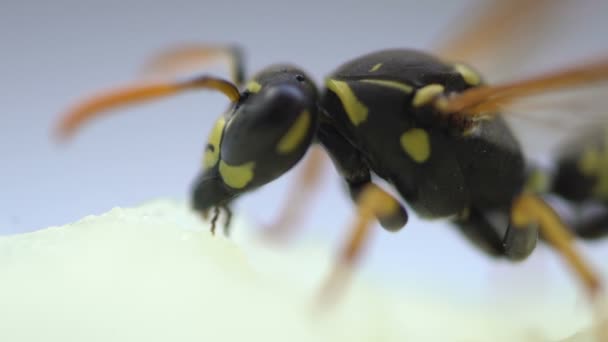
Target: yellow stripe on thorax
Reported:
point(391, 84)
point(356, 111)
point(426, 94)
point(471, 77)
point(375, 67)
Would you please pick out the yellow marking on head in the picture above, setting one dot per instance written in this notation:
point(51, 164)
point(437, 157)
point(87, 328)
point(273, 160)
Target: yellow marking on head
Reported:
point(253, 86)
point(238, 176)
point(469, 75)
point(212, 156)
point(391, 84)
point(356, 111)
point(416, 143)
point(375, 67)
point(295, 135)
point(426, 94)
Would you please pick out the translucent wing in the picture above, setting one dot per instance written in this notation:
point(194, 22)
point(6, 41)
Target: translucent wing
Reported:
point(498, 38)
point(191, 58)
point(549, 105)
point(495, 36)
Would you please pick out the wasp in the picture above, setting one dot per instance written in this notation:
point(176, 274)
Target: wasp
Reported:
point(427, 124)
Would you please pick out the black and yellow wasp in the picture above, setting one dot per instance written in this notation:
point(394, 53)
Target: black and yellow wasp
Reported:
point(428, 126)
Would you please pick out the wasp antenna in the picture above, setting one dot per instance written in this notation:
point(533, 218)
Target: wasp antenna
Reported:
point(486, 99)
point(135, 94)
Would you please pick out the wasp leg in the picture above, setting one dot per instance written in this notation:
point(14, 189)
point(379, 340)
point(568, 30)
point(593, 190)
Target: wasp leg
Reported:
point(391, 222)
point(352, 167)
point(513, 244)
point(372, 202)
point(301, 191)
point(529, 210)
point(228, 221)
point(481, 233)
point(519, 241)
point(216, 215)
point(172, 61)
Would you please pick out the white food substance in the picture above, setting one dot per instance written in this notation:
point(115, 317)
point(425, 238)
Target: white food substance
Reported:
point(154, 273)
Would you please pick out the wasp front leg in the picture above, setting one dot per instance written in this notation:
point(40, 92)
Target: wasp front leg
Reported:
point(350, 165)
point(354, 169)
point(299, 196)
point(372, 203)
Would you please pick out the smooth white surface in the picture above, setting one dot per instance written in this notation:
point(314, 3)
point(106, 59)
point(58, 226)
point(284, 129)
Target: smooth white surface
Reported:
point(154, 273)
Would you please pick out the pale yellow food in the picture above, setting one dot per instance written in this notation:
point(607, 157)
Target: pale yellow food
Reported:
point(154, 273)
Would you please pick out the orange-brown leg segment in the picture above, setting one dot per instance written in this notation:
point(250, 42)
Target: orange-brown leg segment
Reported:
point(529, 210)
point(302, 189)
point(135, 94)
point(372, 202)
point(188, 58)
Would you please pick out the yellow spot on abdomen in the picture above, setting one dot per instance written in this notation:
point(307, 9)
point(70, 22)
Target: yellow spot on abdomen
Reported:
point(589, 163)
point(426, 94)
point(416, 143)
point(238, 176)
point(253, 86)
point(391, 84)
point(356, 111)
point(470, 77)
point(212, 151)
point(594, 163)
point(295, 135)
point(375, 67)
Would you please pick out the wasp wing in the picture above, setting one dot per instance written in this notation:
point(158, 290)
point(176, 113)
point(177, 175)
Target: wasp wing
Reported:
point(498, 38)
point(188, 59)
point(558, 102)
point(495, 36)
